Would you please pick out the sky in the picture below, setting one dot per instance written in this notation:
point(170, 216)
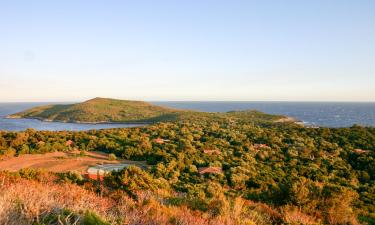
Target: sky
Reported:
point(267, 50)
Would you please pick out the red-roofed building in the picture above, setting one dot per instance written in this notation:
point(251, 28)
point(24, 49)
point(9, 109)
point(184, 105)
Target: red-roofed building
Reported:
point(259, 146)
point(211, 152)
point(94, 176)
point(69, 143)
point(361, 151)
point(210, 170)
point(160, 140)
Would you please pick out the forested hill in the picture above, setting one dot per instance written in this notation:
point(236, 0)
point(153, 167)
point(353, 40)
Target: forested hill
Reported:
point(99, 110)
point(104, 110)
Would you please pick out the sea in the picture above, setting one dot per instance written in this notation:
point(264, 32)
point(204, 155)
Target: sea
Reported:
point(322, 114)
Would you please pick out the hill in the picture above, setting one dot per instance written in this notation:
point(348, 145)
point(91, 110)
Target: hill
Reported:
point(106, 110)
point(100, 110)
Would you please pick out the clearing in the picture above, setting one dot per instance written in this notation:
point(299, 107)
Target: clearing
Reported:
point(61, 161)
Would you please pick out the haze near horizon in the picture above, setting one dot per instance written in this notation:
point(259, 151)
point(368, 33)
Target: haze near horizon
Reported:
point(195, 50)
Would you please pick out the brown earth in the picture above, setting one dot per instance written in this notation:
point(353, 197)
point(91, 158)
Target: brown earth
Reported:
point(60, 161)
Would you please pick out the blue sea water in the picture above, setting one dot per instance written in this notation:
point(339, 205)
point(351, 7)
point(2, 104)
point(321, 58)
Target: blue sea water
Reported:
point(327, 114)
point(324, 114)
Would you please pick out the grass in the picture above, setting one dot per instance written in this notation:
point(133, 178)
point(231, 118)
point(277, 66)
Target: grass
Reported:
point(48, 202)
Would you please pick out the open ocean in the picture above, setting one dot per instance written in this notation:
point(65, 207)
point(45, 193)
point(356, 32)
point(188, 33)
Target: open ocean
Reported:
point(324, 114)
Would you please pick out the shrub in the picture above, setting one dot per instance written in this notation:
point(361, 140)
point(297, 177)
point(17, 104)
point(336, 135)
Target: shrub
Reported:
point(91, 218)
point(112, 157)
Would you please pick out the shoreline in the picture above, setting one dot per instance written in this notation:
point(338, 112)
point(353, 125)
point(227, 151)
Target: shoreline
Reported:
point(78, 122)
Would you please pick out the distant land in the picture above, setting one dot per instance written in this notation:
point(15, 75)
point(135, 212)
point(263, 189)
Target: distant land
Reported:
point(107, 110)
point(99, 110)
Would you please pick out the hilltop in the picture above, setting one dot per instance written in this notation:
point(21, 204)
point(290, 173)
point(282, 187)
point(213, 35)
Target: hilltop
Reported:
point(100, 110)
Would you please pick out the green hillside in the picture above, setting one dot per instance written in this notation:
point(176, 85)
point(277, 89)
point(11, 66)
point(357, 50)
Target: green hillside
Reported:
point(105, 110)
point(100, 110)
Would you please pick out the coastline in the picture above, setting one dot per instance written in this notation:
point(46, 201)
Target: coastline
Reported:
point(78, 122)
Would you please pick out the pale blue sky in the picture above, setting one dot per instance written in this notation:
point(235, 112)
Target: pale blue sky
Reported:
point(187, 50)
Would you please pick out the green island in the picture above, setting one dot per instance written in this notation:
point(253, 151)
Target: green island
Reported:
point(106, 110)
point(100, 110)
point(202, 168)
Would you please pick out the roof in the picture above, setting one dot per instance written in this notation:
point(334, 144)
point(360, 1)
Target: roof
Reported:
point(106, 168)
point(211, 151)
point(159, 140)
point(257, 146)
point(94, 176)
point(360, 151)
point(216, 170)
point(69, 142)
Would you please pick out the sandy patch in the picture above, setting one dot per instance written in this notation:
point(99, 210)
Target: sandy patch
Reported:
point(60, 161)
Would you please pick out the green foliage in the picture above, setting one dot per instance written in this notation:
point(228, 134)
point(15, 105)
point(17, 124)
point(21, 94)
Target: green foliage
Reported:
point(99, 110)
point(90, 218)
point(133, 179)
point(112, 157)
point(71, 177)
point(32, 174)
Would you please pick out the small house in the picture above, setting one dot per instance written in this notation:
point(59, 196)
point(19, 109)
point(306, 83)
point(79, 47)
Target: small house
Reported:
point(94, 176)
point(259, 146)
point(211, 152)
point(160, 140)
point(361, 151)
point(210, 170)
point(69, 143)
point(99, 171)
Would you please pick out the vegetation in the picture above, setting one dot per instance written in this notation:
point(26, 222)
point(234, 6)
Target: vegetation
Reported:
point(102, 110)
point(99, 110)
point(112, 157)
point(272, 173)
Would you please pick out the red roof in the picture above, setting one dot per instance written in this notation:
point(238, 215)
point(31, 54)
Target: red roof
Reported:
point(361, 151)
point(216, 170)
point(211, 151)
point(257, 146)
point(69, 143)
point(94, 176)
point(159, 140)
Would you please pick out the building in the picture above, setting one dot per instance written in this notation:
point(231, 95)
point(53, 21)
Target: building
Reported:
point(160, 140)
point(69, 143)
point(259, 146)
point(361, 151)
point(210, 170)
point(211, 152)
point(99, 171)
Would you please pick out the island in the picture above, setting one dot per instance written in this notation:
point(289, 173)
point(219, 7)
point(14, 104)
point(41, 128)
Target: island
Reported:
point(100, 110)
point(107, 110)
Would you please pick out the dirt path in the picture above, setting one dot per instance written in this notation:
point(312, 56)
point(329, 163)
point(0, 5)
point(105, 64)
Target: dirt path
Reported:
point(60, 161)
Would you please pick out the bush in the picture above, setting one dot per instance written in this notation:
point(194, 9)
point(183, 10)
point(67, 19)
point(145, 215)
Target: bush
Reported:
point(91, 218)
point(71, 177)
point(112, 157)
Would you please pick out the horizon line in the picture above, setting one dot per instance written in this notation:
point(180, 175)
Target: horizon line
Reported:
point(274, 101)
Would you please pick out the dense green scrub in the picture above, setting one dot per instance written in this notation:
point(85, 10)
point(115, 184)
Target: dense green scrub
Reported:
point(319, 170)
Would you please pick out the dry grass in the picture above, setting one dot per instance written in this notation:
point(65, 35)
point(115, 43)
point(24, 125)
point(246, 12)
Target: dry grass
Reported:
point(293, 215)
point(27, 201)
point(58, 161)
point(24, 201)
